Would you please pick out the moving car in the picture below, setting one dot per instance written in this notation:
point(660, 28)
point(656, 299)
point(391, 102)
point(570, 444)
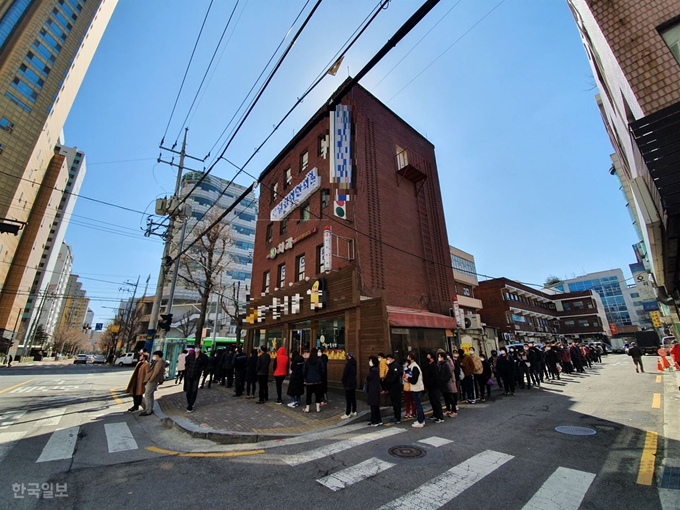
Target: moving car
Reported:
point(97, 359)
point(128, 358)
point(80, 359)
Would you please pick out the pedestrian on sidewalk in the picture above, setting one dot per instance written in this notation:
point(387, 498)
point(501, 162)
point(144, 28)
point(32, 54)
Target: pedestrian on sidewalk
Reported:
point(413, 375)
point(240, 367)
point(506, 370)
point(155, 376)
point(296, 383)
point(312, 372)
point(209, 371)
point(349, 384)
point(456, 372)
point(136, 385)
point(567, 365)
point(635, 353)
point(468, 366)
point(323, 357)
point(195, 363)
point(262, 368)
point(551, 359)
point(446, 382)
point(9, 360)
point(394, 384)
point(281, 367)
point(382, 367)
point(485, 379)
point(251, 374)
point(228, 364)
point(409, 404)
point(180, 366)
point(431, 380)
point(373, 390)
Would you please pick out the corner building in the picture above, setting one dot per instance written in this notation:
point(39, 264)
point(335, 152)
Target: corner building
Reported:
point(351, 250)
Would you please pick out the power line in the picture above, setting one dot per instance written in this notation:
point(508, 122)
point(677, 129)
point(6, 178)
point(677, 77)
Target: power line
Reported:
point(447, 49)
point(191, 58)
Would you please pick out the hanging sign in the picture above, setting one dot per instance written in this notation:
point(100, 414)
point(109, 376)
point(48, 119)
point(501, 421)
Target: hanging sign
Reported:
point(289, 243)
point(297, 196)
point(327, 250)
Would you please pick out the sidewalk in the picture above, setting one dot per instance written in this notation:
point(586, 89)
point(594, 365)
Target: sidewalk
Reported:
point(669, 475)
point(224, 418)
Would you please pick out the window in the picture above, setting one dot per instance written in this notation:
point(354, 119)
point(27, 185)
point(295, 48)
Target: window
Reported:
point(305, 212)
point(281, 276)
point(11, 18)
point(244, 230)
point(238, 275)
point(62, 20)
point(275, 191)
point(566, 306)
point(671, 35)
point(49, 40)
point(300, 267)
point(67, 10)
point(25, 90)
point(320, 266)
point(304, 161)
point(246, 216)
point(37, 64)
point(6, 125)
point(283, 227)
point(595, 323)
point(76, 5)
point(325, 198)
point(244, 245)
point(44, 52)
point(578, 305)
point(55, 29)
point(590, 304)
point(31, 76)
point(270, 232)
point(288, 179)
point(2, 148)
point(330, 333)
point(240, 259)
point(463, 265)
point(583, 323)
point(569, 323)
point(322, 146)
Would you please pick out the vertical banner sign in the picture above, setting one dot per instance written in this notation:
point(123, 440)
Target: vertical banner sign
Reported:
point(327, 250)
point(460, 321)
point(341, 159)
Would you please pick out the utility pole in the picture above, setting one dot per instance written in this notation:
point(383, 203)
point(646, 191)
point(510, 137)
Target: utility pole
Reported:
point(130, 315)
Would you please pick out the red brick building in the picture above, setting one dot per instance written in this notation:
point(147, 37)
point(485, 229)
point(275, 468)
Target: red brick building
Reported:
point(521, 313)
point(351, 250)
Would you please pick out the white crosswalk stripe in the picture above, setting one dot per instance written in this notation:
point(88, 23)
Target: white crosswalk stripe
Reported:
point(354, 474)
point(324, 451)
point(10, 418)
point(8, 440)
point(442, 489)
point(119, 437)
point(60, 446)
point(564, 490)
point(435, 441)
point(51, 418)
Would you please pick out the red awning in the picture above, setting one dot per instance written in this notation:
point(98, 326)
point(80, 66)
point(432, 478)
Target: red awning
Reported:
point(412, 318)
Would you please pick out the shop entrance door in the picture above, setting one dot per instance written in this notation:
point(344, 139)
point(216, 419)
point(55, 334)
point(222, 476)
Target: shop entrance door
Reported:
point(301, 337)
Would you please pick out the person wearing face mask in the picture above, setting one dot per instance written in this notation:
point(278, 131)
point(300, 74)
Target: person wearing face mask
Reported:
point(312, 371)
point(373, 390)
point(431, 380)
point(506, 370)
point(154, 377)
point(551, 360)
point(413, 376)
point(393, 385)
point(136, 385)
point(194, 365)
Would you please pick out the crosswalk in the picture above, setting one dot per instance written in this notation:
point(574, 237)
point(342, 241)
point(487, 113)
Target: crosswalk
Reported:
point(564, 489)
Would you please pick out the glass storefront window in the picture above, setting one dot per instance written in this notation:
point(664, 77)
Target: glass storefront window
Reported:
point(330, 334)
point(421, 340)
point(272, 338)
point(301, 336)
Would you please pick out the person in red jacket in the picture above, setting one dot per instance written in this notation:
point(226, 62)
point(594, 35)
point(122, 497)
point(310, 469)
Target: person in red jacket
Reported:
point(281, 367)
point(675, 352)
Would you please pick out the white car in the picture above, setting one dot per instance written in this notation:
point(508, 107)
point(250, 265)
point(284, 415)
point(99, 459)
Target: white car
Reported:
point(81, 359)
point(126, 359)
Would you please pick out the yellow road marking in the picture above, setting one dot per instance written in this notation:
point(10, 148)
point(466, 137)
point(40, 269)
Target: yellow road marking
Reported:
point(205, 454)
point(16, 386)
point(658, 378)
point(648, 460)
point(656, 401)
point(115, 397)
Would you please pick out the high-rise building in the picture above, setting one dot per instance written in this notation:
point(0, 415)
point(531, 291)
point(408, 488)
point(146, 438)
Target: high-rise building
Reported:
point(46, 47)
point(634, 51)
point(211, 198)
point(56, 290)
point(76, 304)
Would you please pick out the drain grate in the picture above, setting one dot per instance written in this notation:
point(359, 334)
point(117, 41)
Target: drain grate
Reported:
point(575, 431)
point(407, 452)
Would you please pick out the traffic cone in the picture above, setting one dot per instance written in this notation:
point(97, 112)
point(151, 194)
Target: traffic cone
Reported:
point(659, 366)
point(677, 367)
point(666, 363)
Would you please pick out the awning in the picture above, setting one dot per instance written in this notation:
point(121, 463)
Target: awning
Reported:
point(412, 318)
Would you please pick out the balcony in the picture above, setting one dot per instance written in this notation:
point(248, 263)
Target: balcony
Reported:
point(412, 167)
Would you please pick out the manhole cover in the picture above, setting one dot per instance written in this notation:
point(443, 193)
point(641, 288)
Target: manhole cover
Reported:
point(576, 431)
point(407, 452)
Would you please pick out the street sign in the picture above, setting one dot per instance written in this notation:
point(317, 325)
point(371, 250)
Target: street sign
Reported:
point(99, 326)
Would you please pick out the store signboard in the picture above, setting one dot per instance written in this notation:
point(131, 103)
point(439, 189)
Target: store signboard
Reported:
point(288, 244)
point(287, 305)
point(297, 196)
point(327, 250)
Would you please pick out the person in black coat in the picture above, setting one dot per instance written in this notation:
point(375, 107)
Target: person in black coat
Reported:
point(349, 384)
point(324, 383)
point(240, 366)
point(251, 374)
point(313, 371)
point(394, 386)
point(296, 382)
point(262, 369)
point(195, 364)
point(373, 390)
point(505, 366)
point(431, 380)
point(552, 358)
point(228, 364)
point(209, 371)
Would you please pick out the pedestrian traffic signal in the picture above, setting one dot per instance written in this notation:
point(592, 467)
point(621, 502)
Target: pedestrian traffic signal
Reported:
point(166, 322)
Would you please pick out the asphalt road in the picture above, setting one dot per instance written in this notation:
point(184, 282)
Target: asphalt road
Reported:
point(62, 425)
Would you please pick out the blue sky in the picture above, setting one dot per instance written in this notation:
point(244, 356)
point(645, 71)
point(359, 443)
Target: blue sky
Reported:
point(522, 153)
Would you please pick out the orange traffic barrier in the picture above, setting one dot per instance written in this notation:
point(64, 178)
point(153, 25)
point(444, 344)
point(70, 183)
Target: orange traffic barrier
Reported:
point(677, 367)
point(666, 363)
point(659, 366)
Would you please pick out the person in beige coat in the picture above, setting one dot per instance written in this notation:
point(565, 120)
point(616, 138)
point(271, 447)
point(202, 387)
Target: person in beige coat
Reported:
point(154, 377)
point(136, 384)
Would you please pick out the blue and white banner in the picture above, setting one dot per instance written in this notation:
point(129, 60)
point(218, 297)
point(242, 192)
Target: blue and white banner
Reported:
point(297, 196)
point(341, 161)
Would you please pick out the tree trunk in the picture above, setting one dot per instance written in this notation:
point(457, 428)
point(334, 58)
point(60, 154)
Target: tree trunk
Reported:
point(201, 318)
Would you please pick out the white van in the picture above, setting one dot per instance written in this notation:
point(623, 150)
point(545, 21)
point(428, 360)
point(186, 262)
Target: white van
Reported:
point(129, 358)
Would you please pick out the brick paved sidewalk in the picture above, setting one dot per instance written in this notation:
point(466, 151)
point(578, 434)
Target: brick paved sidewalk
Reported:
point(219, 410)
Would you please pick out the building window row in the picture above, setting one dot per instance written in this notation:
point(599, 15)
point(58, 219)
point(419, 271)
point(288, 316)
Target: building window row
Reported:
point(37, 64)
point(300, 270)
point(44, 52)
point(24, 90)
point(12, 18)
point(288, 176)
point(31, 76)
point(463, 265)
point(68, 10)
point(509, 296)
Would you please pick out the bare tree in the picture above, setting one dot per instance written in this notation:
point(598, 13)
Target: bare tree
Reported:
point(205, 262)
point(231, 306)
point(67, 339)
point(186, 325)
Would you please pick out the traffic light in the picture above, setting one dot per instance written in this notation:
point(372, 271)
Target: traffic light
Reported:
point(86, 327)
point(165, 322)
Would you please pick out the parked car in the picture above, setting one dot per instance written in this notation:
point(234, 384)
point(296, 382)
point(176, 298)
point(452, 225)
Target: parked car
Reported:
point(97, 359)
point(80, 359)
point(128, 358)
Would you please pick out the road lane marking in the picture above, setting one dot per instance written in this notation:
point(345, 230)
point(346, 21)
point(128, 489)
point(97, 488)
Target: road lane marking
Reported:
point(119, 437)
point(8, 440)
point(203, 454)
point(648, 459)
point(354, 474)
point(324, 451)
point(15, 386)
point(51, 418)
point(435, 441)
point(564, 490)
point(658, 378)
point(656, 401)
point(442, 489)
point(115, 397)
point(61, 445)
point(10, 418)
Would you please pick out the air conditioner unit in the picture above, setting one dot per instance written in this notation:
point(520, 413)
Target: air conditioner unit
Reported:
point(473, 321)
